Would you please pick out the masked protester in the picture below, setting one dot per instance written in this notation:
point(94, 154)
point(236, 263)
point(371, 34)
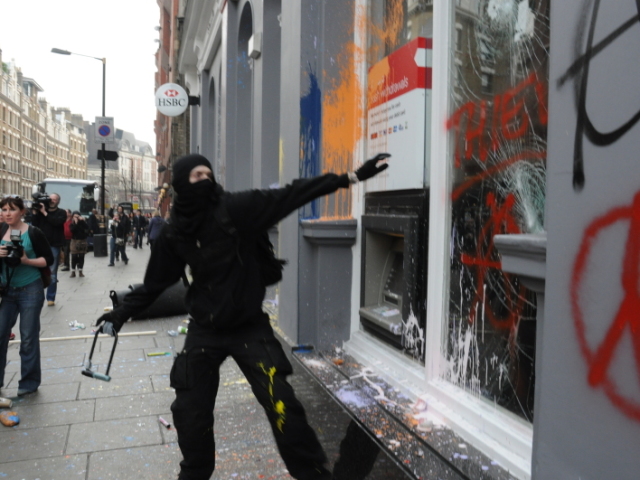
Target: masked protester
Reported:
point(216, 233)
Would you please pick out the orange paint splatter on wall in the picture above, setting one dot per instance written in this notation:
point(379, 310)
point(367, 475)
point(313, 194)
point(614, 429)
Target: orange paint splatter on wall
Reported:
point(344, 103)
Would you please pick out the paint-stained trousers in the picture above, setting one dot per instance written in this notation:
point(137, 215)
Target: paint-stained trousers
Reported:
point(196, 377)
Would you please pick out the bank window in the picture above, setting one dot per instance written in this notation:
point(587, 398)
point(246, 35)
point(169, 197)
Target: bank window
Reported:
point(394, 227)
point(498, 129)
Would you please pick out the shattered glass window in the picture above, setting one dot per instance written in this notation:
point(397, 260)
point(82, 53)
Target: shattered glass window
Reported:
point(497, 126)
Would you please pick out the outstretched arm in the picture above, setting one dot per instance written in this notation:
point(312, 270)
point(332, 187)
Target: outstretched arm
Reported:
point(261, 209)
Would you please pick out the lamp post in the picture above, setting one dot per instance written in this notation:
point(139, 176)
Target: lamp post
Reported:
point(104, 79)
point(99, 241)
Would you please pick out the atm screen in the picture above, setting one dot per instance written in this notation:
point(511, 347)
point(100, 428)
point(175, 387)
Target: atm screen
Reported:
point(395, 280)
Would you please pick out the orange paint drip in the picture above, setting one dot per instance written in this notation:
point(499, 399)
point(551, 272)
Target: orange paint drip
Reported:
point(344, 104)
point(342, 127)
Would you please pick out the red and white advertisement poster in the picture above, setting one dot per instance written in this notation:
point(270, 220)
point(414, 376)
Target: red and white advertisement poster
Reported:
point(398, 105)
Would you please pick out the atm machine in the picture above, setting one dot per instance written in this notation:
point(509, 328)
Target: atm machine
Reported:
point(395, 227)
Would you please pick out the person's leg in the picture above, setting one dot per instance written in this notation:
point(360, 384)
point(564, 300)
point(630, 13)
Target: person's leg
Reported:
point(8, 316)
point(30, 301)
point(80, 263)
point(358, 453)
point(195, 376)
point(123, 253)
point(266, 367)
point(67, 255)
point(112, 249)
point(53, 288)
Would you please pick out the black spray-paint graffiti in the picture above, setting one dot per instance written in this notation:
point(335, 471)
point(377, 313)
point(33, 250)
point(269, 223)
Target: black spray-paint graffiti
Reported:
point(580, 71)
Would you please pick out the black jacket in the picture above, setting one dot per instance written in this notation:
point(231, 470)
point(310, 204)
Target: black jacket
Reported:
point(80, 230)
point(119, 229)
point(139, 222)
point(52, 226)
point(239, 300)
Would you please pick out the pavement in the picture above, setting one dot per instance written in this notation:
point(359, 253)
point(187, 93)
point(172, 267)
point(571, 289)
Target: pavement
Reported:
point(75, 427)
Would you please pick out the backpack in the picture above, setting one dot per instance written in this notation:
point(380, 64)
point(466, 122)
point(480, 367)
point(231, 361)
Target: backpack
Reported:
point(271, 267)
point(227, 251)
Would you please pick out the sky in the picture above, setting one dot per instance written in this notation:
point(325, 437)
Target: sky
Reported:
point(122, 31)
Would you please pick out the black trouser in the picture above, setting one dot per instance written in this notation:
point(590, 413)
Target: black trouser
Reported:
point(196, 376)
point(77, 260)
point(67, 252)
point(137, 241)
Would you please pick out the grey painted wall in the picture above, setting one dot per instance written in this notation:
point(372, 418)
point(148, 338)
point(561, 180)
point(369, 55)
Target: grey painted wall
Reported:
point(589, 409)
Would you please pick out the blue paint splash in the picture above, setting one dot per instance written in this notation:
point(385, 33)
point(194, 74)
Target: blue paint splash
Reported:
point(310, 127)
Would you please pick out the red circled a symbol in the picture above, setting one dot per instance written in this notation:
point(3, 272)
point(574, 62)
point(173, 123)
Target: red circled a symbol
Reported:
point(599, 359)
point(486, 259)
point(172, 93)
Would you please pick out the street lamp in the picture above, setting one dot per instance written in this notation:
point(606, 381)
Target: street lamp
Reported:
point(99, 241)
point(104, 78)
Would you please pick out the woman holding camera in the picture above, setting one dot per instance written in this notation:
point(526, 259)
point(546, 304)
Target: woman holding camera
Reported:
point(24, 250)
point(79, 246)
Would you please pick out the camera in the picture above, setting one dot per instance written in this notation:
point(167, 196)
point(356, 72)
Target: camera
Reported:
point(15, 250)
point(40, 198)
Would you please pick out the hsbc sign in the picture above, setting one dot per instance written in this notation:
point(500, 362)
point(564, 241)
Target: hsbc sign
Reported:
point(171, 99)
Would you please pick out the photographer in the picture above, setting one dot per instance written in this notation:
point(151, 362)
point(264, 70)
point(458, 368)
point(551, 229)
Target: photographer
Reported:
point(225, 301)
point(24, 250)
point(50, 219)
point(119, 232)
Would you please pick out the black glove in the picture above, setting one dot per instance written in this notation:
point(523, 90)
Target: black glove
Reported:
point(370, 168)
point(109, 323)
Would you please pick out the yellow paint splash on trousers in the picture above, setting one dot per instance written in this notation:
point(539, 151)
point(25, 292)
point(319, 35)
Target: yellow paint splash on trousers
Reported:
point(278, 405)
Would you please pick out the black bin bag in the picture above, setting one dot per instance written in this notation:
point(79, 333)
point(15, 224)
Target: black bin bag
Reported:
point(169, 304)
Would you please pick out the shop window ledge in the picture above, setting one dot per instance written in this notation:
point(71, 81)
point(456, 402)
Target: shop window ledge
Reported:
point(392, 420)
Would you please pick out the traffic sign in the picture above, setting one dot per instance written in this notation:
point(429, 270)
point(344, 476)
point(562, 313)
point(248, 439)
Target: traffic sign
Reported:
point(105, 131)
point(109, 155)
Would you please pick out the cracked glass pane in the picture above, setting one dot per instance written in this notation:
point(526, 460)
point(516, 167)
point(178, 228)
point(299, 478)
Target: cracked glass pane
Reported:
point(498, 128)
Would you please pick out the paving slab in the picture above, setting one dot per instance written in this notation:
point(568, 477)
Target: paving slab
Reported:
point(57, 468)
point(161, 383)
point(118, 386)
point(134, 406)
point(53, 414)
point(113, 434)
point(127, 343)
point(158, 462)
point(61, 392)
point(22, 444)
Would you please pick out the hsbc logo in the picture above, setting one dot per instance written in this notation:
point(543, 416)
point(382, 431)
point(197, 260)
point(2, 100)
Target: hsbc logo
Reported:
point(171, 99)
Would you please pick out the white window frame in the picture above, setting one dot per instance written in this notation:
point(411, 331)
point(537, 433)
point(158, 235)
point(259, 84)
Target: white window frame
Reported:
point(495, 431)
point(498, 433)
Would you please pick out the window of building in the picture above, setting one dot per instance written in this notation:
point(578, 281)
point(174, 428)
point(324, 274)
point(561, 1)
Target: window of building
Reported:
point(481, 354)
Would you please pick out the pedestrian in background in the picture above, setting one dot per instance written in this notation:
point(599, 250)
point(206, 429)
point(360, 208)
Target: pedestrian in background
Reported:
point(155, 225)
point(225, 303)
point(50, 219)
point(23, 293)
point(79, 245)
point(119, 239)
point(66, 256)
point(139, 224)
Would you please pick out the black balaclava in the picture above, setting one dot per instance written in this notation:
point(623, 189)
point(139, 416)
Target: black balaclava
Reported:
point(192, 200)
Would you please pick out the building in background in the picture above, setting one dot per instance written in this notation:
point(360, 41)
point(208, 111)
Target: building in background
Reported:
point(133, 177)
point(38, 140)
point(172, 133)
point(404, 273)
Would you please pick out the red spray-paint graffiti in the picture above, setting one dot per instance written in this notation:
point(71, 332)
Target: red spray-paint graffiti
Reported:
point(509, 119)
point(500, 221)
point(599, 359)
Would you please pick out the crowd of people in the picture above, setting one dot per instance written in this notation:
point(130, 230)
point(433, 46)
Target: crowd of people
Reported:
point(30, 254)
